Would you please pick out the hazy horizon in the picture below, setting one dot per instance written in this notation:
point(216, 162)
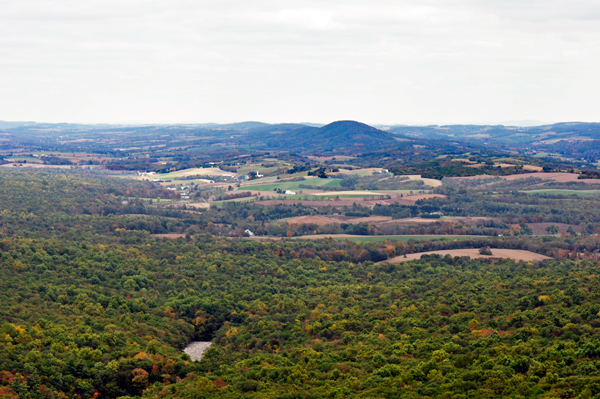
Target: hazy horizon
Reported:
point(520, 123)
point(385, 62)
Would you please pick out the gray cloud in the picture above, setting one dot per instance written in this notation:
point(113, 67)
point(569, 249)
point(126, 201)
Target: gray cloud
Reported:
point(430, 61)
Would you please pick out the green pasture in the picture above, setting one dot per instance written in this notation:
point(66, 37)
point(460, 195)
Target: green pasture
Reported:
point(293, 175)
point(245, 199)
point(391, 192)
point(313, 197)
point(23, 158)
point(295, 185)
point(188, 173)
point(261, 169)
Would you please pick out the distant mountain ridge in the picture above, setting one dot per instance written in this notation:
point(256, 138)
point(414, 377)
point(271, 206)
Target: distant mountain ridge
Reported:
point(353, 131)
point(345, 136)
point(339, 135)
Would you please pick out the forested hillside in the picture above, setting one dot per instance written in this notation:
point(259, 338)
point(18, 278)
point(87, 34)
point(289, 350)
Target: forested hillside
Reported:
point(110, 318)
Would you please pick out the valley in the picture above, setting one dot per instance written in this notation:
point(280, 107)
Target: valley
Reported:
point(295, 261)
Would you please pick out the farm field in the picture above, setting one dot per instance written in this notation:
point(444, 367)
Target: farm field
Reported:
point(169, 235)
point(244, 199)
point(357, 238)
point(35, 165)
point(357, 193)
point(317, 219)
point(322, 220)
point(584, 193)
point(24, 158)
point(172, 182)
point(156, 200)
point(188, 172)
point(409, 200)
point(427, 181)
point(201, 205)
point(540, 228)
point(311, 194)
point(546, 154)
point(557, 177)
point(400, 196)
point(262, 180)
point(515, 254)
point(412, 192)
point(359, 171)
point(532, 168)
point(259, 168)
point(354, 238)
point(295, 185)
point(331, 158)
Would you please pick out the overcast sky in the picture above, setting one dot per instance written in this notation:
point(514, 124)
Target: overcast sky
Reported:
point(376, 61)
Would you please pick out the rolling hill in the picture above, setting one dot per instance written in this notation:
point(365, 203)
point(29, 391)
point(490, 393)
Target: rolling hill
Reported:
point(340, 136)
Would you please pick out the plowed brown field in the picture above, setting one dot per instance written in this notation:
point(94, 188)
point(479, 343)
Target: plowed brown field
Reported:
point(516, 254)
point(318, 220)
point(558, 177)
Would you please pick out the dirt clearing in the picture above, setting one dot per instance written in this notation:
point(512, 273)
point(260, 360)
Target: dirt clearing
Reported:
point(200, 205)
point(168, 235)
point(532, 168)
